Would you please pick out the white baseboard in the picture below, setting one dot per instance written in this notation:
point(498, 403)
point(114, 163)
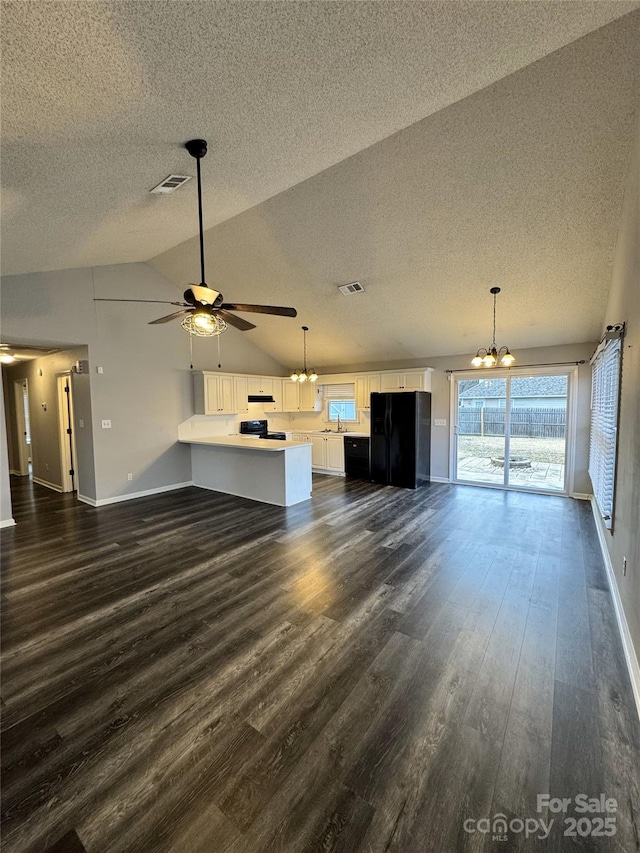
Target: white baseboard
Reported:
point(581, 496)
point(86, 500)
point(625, 635)
point(9, 522)
point(47, 484)
point(133, 495)
point(440, 480)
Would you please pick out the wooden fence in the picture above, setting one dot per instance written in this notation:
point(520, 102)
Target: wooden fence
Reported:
point(529, 423)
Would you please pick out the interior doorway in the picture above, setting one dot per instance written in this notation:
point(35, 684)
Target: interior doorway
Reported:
point(23, 429)
point(66, 433)
point(514, 430)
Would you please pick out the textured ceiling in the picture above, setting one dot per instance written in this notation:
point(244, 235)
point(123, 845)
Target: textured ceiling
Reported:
point(98, 98)
point(519, 185)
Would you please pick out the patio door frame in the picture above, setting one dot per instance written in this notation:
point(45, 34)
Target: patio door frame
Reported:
point(503, 373)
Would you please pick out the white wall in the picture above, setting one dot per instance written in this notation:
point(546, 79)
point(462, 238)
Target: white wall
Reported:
point(145, 386)
point(624, 306)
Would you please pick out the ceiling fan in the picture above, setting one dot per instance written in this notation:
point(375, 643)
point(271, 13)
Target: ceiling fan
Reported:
point(204, 311)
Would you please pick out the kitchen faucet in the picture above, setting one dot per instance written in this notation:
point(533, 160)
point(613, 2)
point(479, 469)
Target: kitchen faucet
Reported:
point(339, 425)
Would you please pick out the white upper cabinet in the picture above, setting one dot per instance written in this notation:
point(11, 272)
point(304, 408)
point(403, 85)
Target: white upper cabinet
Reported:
point(410, 380)
point(213, 394)
point(305, 397)
point(365, 386)
point(260, 385)
point(241, 389)
point(290, 397)
point(310, 397)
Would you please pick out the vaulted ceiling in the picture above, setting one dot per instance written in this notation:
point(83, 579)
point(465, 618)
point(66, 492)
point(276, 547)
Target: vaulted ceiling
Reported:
point(430, 150)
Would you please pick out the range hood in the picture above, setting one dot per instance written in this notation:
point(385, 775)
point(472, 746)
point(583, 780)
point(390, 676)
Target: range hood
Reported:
point(261, 398)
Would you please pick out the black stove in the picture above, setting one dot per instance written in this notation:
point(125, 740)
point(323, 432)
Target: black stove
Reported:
point(260, 429)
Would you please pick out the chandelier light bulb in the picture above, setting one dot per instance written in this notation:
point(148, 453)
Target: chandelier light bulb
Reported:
point(476, 361)
point(294, 377)
point(313, 376)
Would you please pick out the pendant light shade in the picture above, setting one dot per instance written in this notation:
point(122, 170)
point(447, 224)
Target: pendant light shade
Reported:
point(492, 356)
point(304, 375)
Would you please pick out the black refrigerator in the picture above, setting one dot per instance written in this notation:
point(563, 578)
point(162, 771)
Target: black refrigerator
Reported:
point(401, 438)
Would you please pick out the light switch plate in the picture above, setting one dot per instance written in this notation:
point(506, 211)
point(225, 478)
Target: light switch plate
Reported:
point(106, 424)
point(440, 422)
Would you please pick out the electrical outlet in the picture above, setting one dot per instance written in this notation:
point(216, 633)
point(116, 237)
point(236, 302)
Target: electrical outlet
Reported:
point(129, 477)
point(440, 422)
point(99, 370)
point(624, 567)
point(106, 424)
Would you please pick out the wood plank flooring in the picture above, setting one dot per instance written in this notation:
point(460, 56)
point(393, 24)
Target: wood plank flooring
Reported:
point(361, 673)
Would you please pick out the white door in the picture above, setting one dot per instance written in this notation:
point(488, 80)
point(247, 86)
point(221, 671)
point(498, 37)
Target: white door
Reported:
point(21, 395)
point(66, 433)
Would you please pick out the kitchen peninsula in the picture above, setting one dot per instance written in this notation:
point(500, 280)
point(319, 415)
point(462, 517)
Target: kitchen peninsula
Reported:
point(270, 471)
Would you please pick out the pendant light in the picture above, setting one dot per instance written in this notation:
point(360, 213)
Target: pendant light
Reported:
point(304, 374)
point(492, 356)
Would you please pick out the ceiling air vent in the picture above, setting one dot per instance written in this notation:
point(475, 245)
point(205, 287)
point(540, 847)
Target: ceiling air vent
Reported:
point(352, 287)
point(171, 184)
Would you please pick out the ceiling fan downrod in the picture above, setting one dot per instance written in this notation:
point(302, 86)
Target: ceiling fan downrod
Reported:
point(198, 149)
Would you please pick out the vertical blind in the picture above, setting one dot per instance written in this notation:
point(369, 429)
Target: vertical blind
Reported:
point(605, 385)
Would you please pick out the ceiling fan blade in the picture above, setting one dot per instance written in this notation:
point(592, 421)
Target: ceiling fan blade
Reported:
point(238, 322)
point(260, 309)
point(156, 301)
point(204, 295)
point(171, 317)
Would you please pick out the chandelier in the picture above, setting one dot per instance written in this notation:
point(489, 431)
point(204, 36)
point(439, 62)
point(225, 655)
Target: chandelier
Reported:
point(304, 374)
point(492, 356)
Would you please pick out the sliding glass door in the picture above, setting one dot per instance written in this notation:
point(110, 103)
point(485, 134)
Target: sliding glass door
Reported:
point(511, 431)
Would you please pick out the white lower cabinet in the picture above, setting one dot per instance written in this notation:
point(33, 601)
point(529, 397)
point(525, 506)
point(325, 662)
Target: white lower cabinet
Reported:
point(327, 453)
point(335, 453)
point(318, 451)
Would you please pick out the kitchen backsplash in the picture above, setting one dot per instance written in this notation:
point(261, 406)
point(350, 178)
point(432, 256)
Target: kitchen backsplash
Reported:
point(200, 426)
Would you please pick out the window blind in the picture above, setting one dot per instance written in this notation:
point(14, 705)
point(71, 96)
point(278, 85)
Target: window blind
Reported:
point(605, 386)
point(343, 391)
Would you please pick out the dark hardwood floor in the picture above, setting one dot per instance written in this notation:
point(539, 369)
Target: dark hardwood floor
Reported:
point(360, 673)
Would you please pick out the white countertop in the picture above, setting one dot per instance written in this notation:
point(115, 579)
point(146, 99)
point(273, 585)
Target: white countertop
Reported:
point(244, 442)
point(347, 433)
